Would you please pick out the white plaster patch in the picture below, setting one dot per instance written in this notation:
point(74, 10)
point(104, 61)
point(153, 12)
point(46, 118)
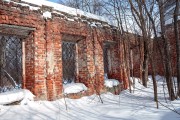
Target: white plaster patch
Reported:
point(51, 63)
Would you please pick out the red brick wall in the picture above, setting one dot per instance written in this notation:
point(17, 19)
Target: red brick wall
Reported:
point(43, 51)
point(35, 45)
point(157, 56)
point(171, 37)
point(53, 60)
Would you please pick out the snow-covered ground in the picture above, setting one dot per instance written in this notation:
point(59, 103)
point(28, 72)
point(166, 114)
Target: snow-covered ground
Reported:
point(126, 106)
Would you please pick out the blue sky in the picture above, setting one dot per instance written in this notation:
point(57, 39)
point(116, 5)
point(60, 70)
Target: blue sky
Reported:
point(53, 0)
point(59, 1)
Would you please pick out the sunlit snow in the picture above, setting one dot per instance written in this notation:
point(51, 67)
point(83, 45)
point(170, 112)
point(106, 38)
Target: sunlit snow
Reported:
point(138, 105)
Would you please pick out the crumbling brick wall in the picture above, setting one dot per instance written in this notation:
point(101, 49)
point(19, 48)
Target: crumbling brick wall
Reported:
point(43, 50)
point(158, 52)
point(160, 46)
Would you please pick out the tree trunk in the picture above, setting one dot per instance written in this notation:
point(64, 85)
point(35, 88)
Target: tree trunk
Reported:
point(176, 32)
point(168, 69)
point(154, 81)
point(140, 18)
point(145, 64)
point(1, 46)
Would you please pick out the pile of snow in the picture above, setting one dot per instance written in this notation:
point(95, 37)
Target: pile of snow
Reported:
point(22, 95)
point(74, 88)
point(111, 82)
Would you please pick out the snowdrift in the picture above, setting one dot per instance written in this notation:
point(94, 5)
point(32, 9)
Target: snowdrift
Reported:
point(22, 95)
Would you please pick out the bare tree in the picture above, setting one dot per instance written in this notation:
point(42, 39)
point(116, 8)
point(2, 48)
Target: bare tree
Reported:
point(141, 20)
point(116, 9)
point(152, 62)
point(176, 32)
point(92, 6)
point(167, 56)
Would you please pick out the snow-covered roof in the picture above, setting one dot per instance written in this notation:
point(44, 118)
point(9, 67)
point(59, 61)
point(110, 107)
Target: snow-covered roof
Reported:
point(59, 8)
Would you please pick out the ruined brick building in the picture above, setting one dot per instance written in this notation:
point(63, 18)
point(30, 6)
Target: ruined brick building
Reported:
point(169, 8)
point(159, 45)
point(45, 44)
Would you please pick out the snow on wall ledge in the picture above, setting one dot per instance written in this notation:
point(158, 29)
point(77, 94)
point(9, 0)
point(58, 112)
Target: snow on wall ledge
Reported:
point(62, 9)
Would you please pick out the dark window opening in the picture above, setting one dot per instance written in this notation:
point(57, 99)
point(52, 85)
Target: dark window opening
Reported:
point(106, 56)
point(69, 61)
point(10, 63)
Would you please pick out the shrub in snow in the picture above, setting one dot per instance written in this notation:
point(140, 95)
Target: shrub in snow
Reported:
point(74, 88)
point(22, 95)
